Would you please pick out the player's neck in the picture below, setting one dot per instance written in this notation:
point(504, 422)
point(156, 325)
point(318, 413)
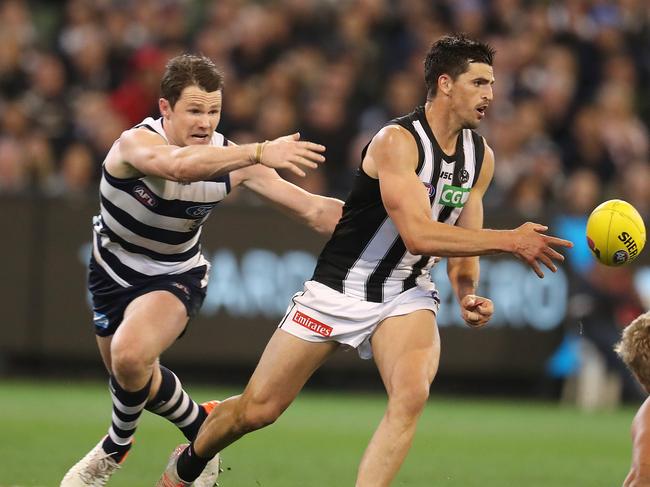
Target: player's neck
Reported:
point(444, 125)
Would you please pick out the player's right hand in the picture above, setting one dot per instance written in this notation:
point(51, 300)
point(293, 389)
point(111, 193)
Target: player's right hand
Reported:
point(533, 247)
point(289, 152)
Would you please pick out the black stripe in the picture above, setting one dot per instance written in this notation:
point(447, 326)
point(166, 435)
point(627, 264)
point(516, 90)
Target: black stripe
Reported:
point(153, 233)
point(136, 249)
point(410, 281)
point(376, 280)
point(146, 126)
point(479, 154)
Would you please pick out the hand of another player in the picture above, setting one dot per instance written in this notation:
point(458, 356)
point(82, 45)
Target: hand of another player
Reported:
point(476, 310)
point(533, 247)
point(289, 152)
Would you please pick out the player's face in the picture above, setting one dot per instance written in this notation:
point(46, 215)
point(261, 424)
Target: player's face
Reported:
point(194, 117)
point(472, 93)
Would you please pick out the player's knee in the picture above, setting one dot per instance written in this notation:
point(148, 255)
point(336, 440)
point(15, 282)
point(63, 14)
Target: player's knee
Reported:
point(258, 414)
point(409, 400)
point(127, 362)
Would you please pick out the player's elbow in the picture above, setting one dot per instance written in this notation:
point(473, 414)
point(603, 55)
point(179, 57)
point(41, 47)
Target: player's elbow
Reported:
point(414, 243)
point(181, 168)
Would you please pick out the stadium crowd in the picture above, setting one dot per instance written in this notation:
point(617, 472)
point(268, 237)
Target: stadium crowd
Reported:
point(572, 98)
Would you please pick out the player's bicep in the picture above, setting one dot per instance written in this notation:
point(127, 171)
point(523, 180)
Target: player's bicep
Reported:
point(147, 153)
point(393, 153)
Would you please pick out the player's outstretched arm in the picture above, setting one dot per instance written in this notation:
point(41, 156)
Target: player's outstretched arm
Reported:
point(639, 475)
point(143, 152)
point(392, 157)
point(318, 212)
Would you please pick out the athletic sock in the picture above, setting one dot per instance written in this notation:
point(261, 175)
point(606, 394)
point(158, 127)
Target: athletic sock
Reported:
point(174, 404)
point(127, 408)
point(189, 465)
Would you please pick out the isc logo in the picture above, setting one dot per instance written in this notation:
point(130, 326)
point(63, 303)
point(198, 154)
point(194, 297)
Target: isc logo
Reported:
point(453, 196)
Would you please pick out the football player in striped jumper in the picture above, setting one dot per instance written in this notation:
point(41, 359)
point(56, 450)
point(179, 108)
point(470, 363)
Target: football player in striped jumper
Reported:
point(160, 181)
point(416, 196)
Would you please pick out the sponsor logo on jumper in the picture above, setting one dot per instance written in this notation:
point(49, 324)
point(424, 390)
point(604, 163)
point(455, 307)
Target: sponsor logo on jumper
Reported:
point(199, 211)
point(143, 194)
point(629, 243)
point(431, 189)
point(463, 176)
point(446, 175)
point(453, 196)
point(312, 324)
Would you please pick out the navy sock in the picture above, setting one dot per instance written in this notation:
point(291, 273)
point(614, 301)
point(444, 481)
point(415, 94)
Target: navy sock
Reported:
point(190, 465)
point(174, 404)
point(127, 408)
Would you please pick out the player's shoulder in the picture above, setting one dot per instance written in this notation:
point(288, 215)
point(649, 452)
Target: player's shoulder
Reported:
point(393, 136)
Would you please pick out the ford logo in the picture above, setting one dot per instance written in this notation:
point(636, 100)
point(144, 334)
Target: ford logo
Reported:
point(199, 211)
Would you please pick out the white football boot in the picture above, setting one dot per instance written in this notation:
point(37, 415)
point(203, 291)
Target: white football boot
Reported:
point(93, 470)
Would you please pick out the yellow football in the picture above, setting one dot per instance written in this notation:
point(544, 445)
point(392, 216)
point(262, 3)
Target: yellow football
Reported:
point(615, 232)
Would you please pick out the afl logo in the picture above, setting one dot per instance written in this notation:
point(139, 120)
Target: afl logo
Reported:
point(463, 177)
point(431, 190)
point(199, 211)
point(144, 195)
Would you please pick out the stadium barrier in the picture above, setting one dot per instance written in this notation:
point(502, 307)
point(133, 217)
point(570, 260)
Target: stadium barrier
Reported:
point(259, 259)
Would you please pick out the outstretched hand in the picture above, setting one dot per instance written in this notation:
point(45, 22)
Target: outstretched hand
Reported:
point(533, 247)
point(289, 152)
point(476, 310)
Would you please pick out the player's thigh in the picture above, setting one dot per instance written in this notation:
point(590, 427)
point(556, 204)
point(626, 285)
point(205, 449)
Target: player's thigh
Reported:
point(152, 322)
point(286, 364)
point(406, 349)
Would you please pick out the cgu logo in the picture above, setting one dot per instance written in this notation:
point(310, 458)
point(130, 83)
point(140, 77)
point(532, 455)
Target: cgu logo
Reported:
point(453, 196)
point(143, 194)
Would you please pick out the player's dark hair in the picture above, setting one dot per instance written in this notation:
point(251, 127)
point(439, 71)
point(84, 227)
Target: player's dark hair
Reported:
point(189, 70)
point(451, 55)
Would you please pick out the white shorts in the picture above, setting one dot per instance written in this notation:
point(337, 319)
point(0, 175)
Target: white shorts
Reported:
point(321, 314)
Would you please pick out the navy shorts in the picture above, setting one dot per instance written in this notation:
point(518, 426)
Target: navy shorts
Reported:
point(110, 299)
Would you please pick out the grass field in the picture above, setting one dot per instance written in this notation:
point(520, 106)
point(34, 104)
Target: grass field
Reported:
point(45, 427)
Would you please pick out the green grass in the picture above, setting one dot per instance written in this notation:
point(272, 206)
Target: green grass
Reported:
point(46, 427)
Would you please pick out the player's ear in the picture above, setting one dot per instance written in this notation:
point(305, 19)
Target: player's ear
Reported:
point(165, 108)
point(444, 84)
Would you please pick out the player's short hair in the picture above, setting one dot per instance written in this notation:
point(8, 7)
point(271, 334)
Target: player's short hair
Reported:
point(189, 70)
point(452, 55)
point(634, 348)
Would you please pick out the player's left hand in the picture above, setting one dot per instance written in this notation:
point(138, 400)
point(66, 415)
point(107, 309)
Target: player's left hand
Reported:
point(476, 310)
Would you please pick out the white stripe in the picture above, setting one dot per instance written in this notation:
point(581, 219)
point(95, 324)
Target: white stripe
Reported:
point(167, 406)
point(154, 245)
point(124, 425)
point(148, 266)
point(137, 210)
point(198, 191)
point(156, 124)
point(181, 409)
point(191, 418)
point(106, 267)
point(118, 439)
point(126, 409)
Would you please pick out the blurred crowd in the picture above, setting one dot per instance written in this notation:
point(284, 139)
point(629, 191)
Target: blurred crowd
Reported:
point(572, 97)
